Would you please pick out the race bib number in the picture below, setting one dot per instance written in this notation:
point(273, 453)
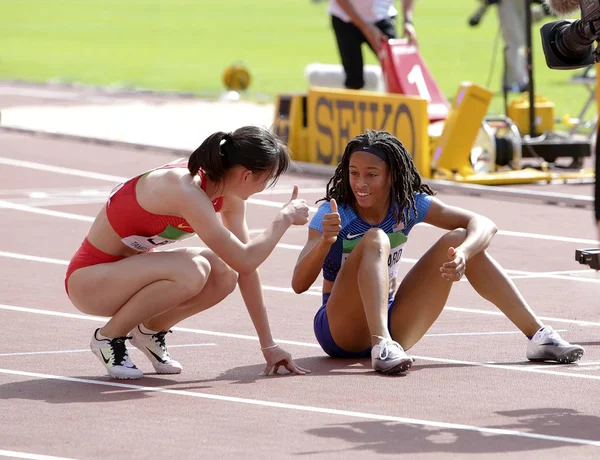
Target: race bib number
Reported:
point(145, 243)
point(394, 261)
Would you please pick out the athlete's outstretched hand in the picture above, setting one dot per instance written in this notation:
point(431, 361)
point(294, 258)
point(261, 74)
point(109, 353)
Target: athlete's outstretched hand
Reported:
point(296, 209)
point(277, 357)
point(456, 267)
point(332, 224)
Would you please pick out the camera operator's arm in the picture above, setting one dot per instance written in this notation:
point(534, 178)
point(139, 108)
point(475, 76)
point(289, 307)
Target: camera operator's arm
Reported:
point(370, 31)
point(409, 27)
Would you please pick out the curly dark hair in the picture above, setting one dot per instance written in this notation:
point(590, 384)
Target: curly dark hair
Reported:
point(405, 179)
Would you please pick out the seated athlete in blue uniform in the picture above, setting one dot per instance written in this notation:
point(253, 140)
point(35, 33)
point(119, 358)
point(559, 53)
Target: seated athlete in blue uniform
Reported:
point(357, 236)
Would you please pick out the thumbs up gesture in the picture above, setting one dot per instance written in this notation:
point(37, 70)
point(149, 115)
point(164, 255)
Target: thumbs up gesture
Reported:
point(332, 224)
point(296, 210)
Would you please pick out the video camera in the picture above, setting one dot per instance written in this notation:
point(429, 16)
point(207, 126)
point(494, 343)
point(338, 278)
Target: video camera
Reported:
point(569, 44)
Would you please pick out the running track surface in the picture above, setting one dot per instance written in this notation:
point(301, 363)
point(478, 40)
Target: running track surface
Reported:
point(471, 392)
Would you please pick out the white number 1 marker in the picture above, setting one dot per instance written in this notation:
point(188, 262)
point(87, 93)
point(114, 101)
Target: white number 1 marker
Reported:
point(415, 77)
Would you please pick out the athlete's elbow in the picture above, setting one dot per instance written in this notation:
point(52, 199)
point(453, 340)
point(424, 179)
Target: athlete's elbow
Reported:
point(298, 285)
point(486, 225)
point(298, 288)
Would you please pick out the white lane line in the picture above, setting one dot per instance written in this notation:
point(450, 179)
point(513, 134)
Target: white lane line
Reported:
point(47, 202)
point(47, 260)
point(65, 215)
point(315, 293)
point(588, 363)
point(57, 191)
point(578, 366)
point(60, 170)
point(555, 277)
point(313, 409)
point(192, 345)
point(569, 272)
point(538, 236)
point(46, 212)
point(87, 350)
point(523, 368)
point(14, 454)
point(576, 322)
point(117, 179)
point(466, 334)
point(511, 367)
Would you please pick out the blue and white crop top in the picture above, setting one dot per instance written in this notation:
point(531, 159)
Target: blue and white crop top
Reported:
point(353, 228)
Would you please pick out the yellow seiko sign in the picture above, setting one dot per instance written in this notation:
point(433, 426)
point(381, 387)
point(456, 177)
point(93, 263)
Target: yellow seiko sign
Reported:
point(334, 117)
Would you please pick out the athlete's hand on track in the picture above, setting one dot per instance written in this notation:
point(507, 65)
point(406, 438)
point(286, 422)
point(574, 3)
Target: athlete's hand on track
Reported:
point(296, 209)
point(455, 269)
point(332, 224)
point(277, 357)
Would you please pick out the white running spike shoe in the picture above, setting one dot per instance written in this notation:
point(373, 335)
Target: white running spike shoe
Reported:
point(152, 344)
point(547, 345)
point(112, 353)
point(390, 358)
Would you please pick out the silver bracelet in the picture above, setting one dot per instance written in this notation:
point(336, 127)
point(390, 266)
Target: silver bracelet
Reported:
point(268, 348)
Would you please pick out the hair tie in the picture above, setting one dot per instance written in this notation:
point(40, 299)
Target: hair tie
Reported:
point(227, 138)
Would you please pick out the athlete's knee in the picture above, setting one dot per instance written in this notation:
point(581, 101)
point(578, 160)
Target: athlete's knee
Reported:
point(453, 238)
point(193, 274)
point(224, 275)
point(375, 239)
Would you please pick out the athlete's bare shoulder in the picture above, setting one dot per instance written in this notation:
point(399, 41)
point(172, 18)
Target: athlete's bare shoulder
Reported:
point(162, 189)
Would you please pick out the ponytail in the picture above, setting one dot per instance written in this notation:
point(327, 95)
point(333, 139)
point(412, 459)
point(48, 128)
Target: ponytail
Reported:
point(252, 147)
point(210, 157)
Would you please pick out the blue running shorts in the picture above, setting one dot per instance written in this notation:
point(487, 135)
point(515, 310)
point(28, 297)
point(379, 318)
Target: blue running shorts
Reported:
point(323, 333)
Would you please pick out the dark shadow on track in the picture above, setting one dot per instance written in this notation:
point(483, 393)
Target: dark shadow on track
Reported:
point(399, 438)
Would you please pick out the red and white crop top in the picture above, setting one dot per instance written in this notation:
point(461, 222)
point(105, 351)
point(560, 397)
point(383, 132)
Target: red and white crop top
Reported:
point(142, 230)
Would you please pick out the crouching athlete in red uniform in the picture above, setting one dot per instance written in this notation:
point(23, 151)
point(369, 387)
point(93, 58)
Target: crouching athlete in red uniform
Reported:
point(123, 272)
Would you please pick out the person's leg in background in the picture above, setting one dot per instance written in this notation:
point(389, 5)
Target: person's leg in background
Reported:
point(349, 40)
point(511, 15)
